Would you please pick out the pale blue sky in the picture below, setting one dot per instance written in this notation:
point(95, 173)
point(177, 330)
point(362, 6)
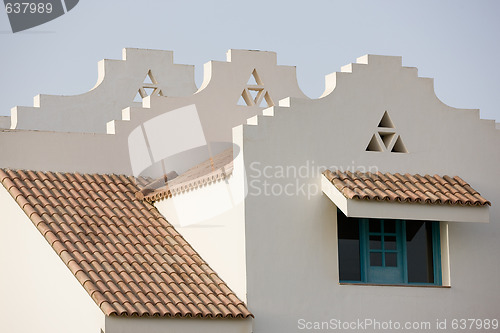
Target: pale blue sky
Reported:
point(455, 42)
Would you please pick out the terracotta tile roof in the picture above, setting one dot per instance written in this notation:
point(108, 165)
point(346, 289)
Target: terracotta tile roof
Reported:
point(128, 258)
point(210, 171)
point(405, 188)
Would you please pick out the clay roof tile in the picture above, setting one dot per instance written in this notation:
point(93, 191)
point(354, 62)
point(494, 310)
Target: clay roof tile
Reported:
point(128, 258)
point(395, 187)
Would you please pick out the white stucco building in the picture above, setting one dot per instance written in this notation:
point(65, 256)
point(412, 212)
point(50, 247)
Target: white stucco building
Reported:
point(245, 206)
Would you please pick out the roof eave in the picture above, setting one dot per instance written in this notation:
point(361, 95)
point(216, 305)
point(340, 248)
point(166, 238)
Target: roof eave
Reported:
point(403, 210)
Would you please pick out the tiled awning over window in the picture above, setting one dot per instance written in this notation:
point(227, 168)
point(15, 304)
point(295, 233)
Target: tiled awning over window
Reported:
point(405, 196)
point(406, 188)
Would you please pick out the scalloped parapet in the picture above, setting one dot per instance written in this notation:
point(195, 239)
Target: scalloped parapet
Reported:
point(253, 76)
point(390, 64)
point(216, 102)
point(342, 122)
point(375, 114)
point(118, 84)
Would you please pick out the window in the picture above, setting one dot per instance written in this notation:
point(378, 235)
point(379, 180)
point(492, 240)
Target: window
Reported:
point(388, 251)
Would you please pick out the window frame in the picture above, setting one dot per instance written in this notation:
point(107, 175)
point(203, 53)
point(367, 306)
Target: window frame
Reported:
point(364, 253)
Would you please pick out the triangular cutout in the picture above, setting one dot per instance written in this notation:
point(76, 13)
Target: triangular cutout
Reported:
point(374, 145)
point(260, 96)
point(266, 101)
point(156, 92)
point(149, 91)
point(399, 146)
point(386, 138)
point(254, 79)
point(150, 79)
point(263, 103)
point(242, 102)
point(386, 121)
point(138, 97)
point(254, 94)
point(247, 97)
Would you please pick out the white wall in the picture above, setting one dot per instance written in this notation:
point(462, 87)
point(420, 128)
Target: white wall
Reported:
point(219, 240)
point(38, 292)
point(65, 152)
point(4, 122)
point(176, 325)
point(211, 219)
point(291, 240)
